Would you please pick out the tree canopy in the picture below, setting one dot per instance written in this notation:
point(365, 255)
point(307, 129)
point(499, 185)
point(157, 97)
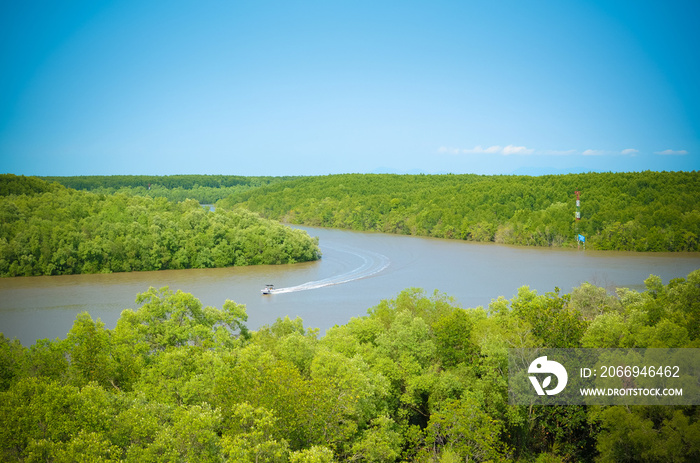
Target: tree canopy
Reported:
point(417, 379)
point(46, 229)
point(645, 211)
point(207, 189)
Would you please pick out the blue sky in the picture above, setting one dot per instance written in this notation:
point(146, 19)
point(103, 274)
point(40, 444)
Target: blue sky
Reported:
point(322, 87)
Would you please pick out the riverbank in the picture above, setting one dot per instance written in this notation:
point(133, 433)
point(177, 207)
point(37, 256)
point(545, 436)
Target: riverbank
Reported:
point(473, 273)
point(48, 229)
point(643, 212)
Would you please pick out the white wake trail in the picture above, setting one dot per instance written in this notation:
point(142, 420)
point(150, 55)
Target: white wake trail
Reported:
point(372, 264)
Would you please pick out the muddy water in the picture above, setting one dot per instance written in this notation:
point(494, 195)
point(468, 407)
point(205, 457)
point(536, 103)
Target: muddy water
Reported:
point(357, 271)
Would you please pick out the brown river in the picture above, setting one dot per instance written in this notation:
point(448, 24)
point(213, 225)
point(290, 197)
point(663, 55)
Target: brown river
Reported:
point(356, 272)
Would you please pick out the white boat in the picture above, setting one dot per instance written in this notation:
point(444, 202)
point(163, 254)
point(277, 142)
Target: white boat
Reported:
point(267, 289)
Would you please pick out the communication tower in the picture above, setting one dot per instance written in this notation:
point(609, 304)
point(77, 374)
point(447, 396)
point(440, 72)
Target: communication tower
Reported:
point(579, 238)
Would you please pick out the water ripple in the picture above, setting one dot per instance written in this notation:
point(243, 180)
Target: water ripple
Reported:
point(372, 264)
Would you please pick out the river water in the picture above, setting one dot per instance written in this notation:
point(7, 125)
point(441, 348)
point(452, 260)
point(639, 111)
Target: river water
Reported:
point(356, 272)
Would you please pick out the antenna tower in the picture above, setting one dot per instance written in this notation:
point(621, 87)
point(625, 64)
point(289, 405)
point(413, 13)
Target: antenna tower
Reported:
point(579, 237)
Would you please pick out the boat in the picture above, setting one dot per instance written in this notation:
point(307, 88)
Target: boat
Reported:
point(267, 289)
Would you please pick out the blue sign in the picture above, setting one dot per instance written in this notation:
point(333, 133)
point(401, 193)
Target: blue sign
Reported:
point(582, 238)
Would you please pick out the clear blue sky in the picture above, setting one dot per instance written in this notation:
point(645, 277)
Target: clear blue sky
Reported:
point(301, 87)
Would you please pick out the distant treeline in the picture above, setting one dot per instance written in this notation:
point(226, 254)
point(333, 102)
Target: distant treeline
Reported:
point(47, 229)
point(646, 211)
point(418, 379)
point(207, 189)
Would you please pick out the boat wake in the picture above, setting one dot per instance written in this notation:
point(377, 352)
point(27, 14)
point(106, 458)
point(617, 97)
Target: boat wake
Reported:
point(372, 264)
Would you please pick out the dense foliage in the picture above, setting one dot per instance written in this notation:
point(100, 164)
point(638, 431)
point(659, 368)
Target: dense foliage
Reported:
point(207, 189)
point(417, 379)
point(21, 185)
point(52, 230)
point(647, 211)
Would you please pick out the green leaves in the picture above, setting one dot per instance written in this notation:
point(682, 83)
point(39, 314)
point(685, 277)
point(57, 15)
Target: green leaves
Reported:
point(11, 361)
point(60, 231)
point(380, 442)
point(251, 438)
point(168, 319)
point(417, 379)
point(647, 433)
point(617, 213)
point(463, 427)
point(551, 317)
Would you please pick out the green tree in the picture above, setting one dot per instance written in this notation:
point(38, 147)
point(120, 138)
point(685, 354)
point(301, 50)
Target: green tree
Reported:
point(88, 349)
point(315, 454)
point(251, 438)
point(168, 319)
point(648, 433)
point(381, 442)
point(12, 355)
point(463, 427)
